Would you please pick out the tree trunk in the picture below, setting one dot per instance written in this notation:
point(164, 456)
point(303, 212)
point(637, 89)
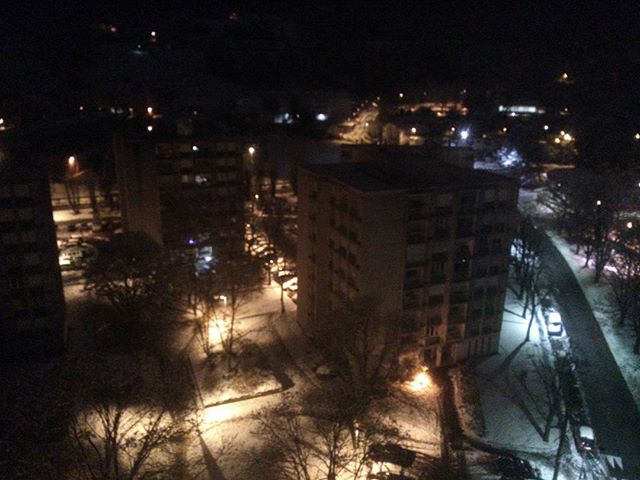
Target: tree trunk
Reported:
point(281, 299)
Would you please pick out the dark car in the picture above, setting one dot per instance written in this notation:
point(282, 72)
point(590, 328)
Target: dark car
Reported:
point(513, 468)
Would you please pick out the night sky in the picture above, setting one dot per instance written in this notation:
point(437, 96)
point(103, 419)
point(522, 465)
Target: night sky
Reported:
point(360, 46)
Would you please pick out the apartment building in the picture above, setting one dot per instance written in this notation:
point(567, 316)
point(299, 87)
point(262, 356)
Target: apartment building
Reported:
point(180, 189)
point(32, 317)
point(422, 237)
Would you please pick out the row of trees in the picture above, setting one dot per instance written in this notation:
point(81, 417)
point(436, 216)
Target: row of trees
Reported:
point(142, 284)
point(596, 212)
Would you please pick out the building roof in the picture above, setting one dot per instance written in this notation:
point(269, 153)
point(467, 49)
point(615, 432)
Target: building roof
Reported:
point(412, 174)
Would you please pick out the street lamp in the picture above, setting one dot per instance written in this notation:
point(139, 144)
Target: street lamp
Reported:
point(413, 130)
point(598, 203)
point(464, 134)
point(149, 128)
point(637, 136)
point(629, 225)
point(546, 127)
point(252, 150)
point(150, 111)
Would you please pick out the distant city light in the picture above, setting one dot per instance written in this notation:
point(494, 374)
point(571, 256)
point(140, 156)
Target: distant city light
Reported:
point(464, 134)
point(401, 95)
point(195, 148)
point(256, 196)
point(366, 124)
point(413, 130)
point(149, 128)
point(565, 76)
point(153, 33)
point(252, 150)
point(598, 202)
point(562, 132)
point(191, 241)
point(629, 224)
point(321, 117)
point(556, 140)
point(546, 127)
point(71, 161)
point(81, 108)
point(453, 129)
point(1, 121)
point(637, 136)
point(567, 137)
point(504, 129)
point(150, 110)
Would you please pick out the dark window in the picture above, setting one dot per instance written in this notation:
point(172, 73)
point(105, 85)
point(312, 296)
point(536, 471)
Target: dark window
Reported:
point(435, 300)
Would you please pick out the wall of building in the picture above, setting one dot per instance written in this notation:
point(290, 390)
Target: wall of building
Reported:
point(136, 171)
point(32, 317)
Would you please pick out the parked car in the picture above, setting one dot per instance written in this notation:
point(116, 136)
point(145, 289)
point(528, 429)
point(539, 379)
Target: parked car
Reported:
point(514, 468)
point(554, 323)
point(586, 440)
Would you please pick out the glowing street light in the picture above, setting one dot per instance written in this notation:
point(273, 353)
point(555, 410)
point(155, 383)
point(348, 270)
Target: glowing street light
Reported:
point(401, 95)
point(464, 134)
point(567, 137)
point(252, 150)
point(629, 224)
point(149, 128)
point(546, 127)
point(504, 129)
point(150, 111)
point(637, 136)
point(421, 382)
point(598, 202)
point(556, 140)
point(453, 129)
point(71, 161)
point(413, 130)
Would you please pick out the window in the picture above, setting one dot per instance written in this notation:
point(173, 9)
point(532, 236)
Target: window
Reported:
point(444, 200)
point(203, 180)
point(436, 300)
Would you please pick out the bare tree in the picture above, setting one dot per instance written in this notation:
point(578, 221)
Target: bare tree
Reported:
point(236, 278)
point(312, 447)
point(547, 402)
point(129, 424)
point(363, 343)
point(624, 280)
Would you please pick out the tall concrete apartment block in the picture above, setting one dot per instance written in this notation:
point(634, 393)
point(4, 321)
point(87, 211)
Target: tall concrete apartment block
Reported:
point(177, 188)
point(424, 238)
point(32, 317)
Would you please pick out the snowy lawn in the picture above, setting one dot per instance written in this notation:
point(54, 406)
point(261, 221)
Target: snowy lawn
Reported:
point(250, 375)
point(620, 339)
point(500, 397)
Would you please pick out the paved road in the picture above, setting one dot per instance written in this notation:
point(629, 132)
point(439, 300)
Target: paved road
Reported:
point(614, 415)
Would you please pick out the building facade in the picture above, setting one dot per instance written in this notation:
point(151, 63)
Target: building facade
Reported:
point(32, 317)
point(179, 190)
point(424, 238)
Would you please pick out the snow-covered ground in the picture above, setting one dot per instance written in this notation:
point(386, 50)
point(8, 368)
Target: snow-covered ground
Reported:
point(620, 339)
point(500, 398)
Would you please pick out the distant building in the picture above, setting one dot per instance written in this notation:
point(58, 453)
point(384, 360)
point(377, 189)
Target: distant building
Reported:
point(180, 189)
point(32, 317)
point(424, 237)
point(462, 157)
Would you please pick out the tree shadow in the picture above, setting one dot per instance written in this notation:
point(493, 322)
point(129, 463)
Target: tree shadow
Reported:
point(507, 361)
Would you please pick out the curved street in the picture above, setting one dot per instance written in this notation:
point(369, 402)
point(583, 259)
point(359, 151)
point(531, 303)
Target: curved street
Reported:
point(614, 415)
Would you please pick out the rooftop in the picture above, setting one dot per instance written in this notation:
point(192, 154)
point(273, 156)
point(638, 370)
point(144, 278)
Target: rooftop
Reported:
point(412, 174)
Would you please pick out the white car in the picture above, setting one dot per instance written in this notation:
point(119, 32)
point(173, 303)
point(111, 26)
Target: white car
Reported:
point(554, 323)
point(586, 438)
